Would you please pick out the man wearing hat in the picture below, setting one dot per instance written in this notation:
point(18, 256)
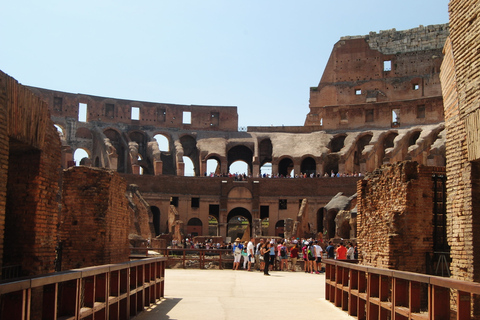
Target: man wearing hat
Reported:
point(237, 253)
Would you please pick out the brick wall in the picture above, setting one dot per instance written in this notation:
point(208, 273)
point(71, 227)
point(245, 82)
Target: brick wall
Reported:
point(95, 218)
point(29, 173)
point(394, 220)
point(460, 81)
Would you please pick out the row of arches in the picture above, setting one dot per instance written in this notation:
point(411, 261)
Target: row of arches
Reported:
point(135, 152)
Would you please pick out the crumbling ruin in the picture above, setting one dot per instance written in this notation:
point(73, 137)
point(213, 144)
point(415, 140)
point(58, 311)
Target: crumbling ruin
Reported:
point(348, 133)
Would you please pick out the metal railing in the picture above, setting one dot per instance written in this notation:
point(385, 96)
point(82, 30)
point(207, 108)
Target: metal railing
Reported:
point(198, 258)
point(116, 291)
point(374, 293)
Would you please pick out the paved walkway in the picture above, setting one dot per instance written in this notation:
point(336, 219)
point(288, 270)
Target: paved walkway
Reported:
point(227, 294)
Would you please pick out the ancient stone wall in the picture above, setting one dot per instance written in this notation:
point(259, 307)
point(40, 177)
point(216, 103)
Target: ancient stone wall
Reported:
point(30, 158)
point(392, 71)
point(95, 220)
point(394, 219)
point(141, 223)
point(460, 81)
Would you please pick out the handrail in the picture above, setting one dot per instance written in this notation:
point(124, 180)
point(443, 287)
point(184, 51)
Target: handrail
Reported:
point(375, 293)
point(116, 291)
point(203, 256)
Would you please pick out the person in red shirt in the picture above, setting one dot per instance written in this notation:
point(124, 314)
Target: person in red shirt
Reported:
point(341, 252)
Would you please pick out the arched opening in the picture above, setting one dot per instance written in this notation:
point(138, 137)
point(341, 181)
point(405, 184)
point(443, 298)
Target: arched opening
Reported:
point(163, 143)
point(285, 168)
point(140, 170)
point(412, 140)
point(309, 167)
point(265, 149)
point(330, 223)
point(357, 157)
point(266, 170)
point(189, 169)
point(81, 157)
point(213, 167)
point(118, 143)
point(320, 220)
point(212, 226)
point(189, 145)
point(241, 153)
point(156, 219)
point(194, 227)
point(337, 143)
point(239, 221)
point(280, 228)
point(239, 167)
point(331, 164)
point(61, 132)
point(388, 142)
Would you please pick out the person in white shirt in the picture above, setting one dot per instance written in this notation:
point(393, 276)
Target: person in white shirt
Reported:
point(251, 253)
point(318, 257)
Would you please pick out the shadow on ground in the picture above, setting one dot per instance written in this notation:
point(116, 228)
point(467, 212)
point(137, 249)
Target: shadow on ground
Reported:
point(159, 310)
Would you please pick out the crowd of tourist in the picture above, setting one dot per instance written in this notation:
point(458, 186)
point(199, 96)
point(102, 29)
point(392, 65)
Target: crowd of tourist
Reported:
point(243, 177)
point(282, 255)
point(266, 254)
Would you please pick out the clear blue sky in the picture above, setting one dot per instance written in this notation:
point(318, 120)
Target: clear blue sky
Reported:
point(261, 56)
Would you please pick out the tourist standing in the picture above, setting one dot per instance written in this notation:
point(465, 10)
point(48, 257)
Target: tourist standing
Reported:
point(266, 257)
point(283, 257)
point(294, 257)
point(350, 251)
point(258, 254)
point(341, 252)
point(251, 253)
point(237, 253)
point(318, 257)
point(330, 250)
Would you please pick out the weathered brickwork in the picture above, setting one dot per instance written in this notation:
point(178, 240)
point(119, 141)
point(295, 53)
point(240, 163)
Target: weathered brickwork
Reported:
point(367, 77)
point(95, 218)
point(30, 170)
point(394, 220)
point(460, 81)
point(141, 223)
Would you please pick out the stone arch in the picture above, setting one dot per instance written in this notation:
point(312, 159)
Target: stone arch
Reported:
point(413, 137)
point(163, 140)
point(61, 132)
point(82, 160)
point(189, 145)
point(242, 153)
point(118, 143)
point(308, 166)
point(141, 139)
point(194, 227)
point(358, 159)
point(387, 142)
point(285, 166)
point(265, 150)
point(331, 163)
point(209, 164)
point(238, 221)
point(337, 143)
point(320, 216)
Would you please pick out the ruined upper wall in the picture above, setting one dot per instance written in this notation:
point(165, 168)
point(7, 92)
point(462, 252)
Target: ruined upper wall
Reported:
point(65, 105)
point(412, 40)
point(383, 72)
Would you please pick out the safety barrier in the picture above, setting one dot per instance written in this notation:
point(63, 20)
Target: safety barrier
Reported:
point(116, 291)
point(374, 293)
point(198, 258)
